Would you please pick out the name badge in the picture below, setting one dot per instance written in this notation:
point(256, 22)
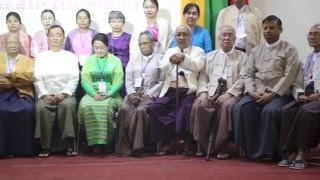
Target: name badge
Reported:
point(102, 87)
point(241, 33)
point(82, 59)
point(138, 82)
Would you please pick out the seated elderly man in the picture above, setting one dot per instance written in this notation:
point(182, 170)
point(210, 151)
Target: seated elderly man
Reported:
point(142, 86)
point(56, 78)
point(247, 23)
point(300, 124)
point(170, 113)
point(220, 85)
point(16, 100)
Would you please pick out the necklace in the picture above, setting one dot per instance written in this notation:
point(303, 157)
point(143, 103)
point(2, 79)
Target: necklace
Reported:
point(114, 43)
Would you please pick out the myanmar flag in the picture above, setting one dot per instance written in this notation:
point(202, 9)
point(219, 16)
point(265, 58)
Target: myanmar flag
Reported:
point(213, 7)
point(209, 11)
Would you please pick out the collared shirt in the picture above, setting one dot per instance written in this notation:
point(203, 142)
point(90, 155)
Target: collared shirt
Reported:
point(226, 68)
point(180, 69)
point(146, 58)
point(273, 45)
point(240, 31)
point(151, 83)
point(200, 38)
point(271, 67)
point(243, 9)
point(11, 65)
point(56, 72)
point(312, 69)
point(144, 63)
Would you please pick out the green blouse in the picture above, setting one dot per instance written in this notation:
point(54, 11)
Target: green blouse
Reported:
point(112, 74)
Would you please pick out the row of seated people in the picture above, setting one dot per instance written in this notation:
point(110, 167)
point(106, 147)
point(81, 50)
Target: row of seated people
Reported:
point(177, 95)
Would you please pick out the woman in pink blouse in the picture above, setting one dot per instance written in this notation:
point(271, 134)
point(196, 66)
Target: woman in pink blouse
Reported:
point(13, 21)
point(40, 40)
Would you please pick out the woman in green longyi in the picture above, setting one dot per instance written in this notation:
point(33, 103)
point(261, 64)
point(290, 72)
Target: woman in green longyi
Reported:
point(101, 78)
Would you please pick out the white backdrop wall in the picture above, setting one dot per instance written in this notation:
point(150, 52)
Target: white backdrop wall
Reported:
point(65, 11)
point(297, 15)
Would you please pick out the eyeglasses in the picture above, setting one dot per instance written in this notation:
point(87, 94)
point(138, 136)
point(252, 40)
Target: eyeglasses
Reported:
point(96, 48)
point(144, 43)
point(53, 35)
point(14, 43)
point(116, 21)
point(151, 7)
point(182, 34)
point(314, 34)
point(47, 19)
point(227, 35)
point(82, 18)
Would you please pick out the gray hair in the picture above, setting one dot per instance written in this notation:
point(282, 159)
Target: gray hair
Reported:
point(116, 15)
point(317, 25)
point(6, 37)
point(184, 26)
point(227, 26)
point(149, 34)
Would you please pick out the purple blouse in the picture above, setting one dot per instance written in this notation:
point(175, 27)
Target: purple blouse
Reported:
point(120, 47)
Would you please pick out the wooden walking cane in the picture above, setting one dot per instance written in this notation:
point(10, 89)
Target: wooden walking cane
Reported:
point(221, 89)
point(177, 104)
point(177, 108)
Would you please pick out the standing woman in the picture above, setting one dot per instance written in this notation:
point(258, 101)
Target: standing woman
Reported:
point(102, 78)
point(79, 40)
point(200, 36)
point(40, 39)
point(119, 40)
point(159, 27)
point(13, 21)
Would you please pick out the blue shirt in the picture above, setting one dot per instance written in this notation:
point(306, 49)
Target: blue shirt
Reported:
point(201, 38)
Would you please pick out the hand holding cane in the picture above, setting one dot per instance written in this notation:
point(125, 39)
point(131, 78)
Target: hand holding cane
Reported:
point(175, 60)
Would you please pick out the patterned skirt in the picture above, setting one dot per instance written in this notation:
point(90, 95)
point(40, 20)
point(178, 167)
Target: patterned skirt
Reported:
point(99, 118)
